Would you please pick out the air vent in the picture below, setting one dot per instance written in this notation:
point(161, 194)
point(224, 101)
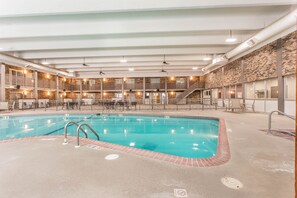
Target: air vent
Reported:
point(251, 42)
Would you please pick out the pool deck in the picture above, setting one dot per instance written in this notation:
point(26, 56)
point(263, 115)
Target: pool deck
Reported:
point(43, 167)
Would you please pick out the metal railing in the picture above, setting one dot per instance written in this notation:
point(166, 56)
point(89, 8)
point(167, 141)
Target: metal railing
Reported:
point(280, 112)
point(115, 105)
point(65, 131)
point(77, 133)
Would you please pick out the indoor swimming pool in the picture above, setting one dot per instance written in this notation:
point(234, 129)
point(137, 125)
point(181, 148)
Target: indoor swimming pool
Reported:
point(181, 136)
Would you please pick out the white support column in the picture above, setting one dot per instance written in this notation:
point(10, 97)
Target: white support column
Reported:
point(80, 89)
point(166, 91)
point(143, 90)
point(35, 91)
point(57, 88)
point(2, 82)
point(101, 89)
point(123, 84)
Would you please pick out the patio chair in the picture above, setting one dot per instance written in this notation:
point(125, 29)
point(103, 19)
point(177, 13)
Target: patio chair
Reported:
point(12, 106)
point(236, 105)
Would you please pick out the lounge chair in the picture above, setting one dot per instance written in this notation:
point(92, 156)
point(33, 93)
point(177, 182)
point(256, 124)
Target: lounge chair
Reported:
point(236, 105)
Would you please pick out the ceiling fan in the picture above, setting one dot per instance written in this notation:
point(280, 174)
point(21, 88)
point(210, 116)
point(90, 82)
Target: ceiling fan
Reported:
point(164, 61)
point(101, 72)
point(84, 63)
point(163, 70)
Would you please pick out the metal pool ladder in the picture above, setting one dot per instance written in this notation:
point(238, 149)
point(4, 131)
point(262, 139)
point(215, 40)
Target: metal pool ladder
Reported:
point(79, 128)
point(282, 113)
point(77, 133)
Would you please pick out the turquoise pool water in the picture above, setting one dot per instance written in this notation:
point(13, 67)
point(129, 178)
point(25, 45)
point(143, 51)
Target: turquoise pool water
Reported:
point(185, 137)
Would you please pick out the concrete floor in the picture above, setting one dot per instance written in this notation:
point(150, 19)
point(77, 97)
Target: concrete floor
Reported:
point(45, 168)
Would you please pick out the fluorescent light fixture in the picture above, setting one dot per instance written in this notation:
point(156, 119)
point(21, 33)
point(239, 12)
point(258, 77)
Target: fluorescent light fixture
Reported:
point(131, 69)
point(231, 39)
point(207, 58)
point(123, 60)
point(195, 68)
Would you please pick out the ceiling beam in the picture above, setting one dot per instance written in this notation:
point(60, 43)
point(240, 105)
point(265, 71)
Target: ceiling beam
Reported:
point(125, 52)
point(139, 41)
point(141, 22)
point(8, 8)
point(130, 59)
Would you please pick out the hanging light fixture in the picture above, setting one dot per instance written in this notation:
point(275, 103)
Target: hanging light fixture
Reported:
point(123, 60)
point(231, 39)
point(44, 62)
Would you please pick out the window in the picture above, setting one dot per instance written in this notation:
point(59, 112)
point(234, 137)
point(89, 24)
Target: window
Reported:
point(238, 91)
point(249, 90)
point(290, 87)
point(214, 93)
point(130, 81)
point(220, 95)
point(272, 88)
point(118, 81)
point(155, 80)
point(92, 82)
point(118, 95)
point(232, 92)
point(260, 91)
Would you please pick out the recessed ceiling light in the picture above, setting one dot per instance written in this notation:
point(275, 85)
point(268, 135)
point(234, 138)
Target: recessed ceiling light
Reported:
point(123, 60)
point(195, 68)
point(131, 69)
point(231, 39)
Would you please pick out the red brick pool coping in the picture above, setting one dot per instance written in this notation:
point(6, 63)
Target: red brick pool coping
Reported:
point(221, 157)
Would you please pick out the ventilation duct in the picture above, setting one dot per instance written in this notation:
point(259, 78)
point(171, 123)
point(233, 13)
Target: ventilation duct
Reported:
point(283, 24)
point(23, 63)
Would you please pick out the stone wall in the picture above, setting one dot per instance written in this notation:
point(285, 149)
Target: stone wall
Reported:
point(214, 79)
point(258, 65)
point(261, 64)
point(232, 73)
point(289, 54)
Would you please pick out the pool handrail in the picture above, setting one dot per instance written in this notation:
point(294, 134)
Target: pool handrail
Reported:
point(65, 131)
point(280, 112)
point(77, 133)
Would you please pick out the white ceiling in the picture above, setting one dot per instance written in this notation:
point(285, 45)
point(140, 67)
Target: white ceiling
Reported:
point(64, 32)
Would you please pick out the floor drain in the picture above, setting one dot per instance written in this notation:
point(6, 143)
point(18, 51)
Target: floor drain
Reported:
point(231, 183)
point(112, 157)
point(180, 193)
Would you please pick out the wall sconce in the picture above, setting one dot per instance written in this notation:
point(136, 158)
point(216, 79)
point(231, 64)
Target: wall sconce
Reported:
point(64, 79)
point(85, 94)
point(25, 71)
point(65, 93)
point(172, 78)
point(48, 93)
point(85, 80)
point(47, 76)
point(125, 93)
point(172, 93)
point(124, 79)
point(104, 79)
point(104, 94)
point(191, 77)
point(25, 93)
point(138, 93)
